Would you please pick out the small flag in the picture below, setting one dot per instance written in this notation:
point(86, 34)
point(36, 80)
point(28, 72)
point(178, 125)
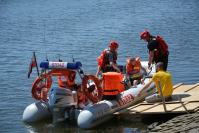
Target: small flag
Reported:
point(33, 63)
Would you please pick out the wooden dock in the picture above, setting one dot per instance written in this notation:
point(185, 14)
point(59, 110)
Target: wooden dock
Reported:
point(185, 99)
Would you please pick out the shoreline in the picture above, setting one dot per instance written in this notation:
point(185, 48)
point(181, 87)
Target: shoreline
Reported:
point(187, 123)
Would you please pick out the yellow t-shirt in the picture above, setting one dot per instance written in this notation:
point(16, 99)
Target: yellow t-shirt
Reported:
point(165, 79)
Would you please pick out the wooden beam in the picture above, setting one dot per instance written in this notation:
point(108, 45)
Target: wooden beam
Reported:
point(177, 85)
point(192, 87)
point(184, 99)
point(154, 105)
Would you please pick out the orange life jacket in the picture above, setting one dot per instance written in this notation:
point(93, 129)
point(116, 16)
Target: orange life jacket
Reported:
point(103, 58)
point(112, 83)
point(69, 79)
point(133, 70)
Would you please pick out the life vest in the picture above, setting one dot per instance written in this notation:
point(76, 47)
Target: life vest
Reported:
point(111, 82)
point(134, 70)
point(162, 47)
point(69, 79)
point(103, 60)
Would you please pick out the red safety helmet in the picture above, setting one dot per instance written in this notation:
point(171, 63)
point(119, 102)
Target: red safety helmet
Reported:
point(145, 34)
point(113, 44)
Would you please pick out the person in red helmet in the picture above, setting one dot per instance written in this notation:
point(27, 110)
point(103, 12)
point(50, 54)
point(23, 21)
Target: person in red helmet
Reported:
point(157, 47)
point(107, 61)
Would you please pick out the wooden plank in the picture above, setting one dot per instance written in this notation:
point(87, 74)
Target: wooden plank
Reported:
point(193, 91)
point(183, 88)
point(141, 109)
point(142, 105)
point(172, 108)
point(156, 109)
point(191, 98)
point(192, 105)
point(184, 97)
point(181, 107)
point(181, 96)
point(195, 86)
point(144, 108)
point(160, 108)
point(177, 85)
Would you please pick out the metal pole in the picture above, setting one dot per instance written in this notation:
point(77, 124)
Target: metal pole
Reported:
point(79, 71)
point(162, 97)
point(36, 63)
point(183, 104)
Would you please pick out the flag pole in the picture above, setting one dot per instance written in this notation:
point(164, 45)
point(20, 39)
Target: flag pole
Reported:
point(36, 63)
point(46, 57)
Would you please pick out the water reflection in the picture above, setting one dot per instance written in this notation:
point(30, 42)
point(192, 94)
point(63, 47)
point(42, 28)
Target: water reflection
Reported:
point(111, 126)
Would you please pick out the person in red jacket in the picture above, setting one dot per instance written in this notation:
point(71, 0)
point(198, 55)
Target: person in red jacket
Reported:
point(107, 61)
point(158, 49)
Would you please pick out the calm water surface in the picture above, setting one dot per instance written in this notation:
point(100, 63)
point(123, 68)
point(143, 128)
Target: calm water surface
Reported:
point(82, 29)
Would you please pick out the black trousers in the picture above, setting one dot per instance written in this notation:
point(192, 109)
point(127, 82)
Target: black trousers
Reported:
point(108, 69)
point(164, 59)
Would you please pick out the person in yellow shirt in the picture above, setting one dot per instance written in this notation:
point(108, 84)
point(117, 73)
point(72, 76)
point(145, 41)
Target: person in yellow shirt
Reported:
point(163, 80)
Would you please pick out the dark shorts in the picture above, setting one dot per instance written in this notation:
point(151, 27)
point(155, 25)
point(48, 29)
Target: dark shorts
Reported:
point(163, 59)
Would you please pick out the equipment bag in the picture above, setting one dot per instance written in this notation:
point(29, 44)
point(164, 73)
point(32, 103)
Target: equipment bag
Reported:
point(163, 45)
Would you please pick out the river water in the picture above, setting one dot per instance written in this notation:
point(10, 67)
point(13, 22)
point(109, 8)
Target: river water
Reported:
point(82, 29)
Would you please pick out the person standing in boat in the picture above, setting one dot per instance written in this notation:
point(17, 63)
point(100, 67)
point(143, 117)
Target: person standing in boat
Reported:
point(107, 61)
point(157, 47)
point(134, 71)
point(163, 81)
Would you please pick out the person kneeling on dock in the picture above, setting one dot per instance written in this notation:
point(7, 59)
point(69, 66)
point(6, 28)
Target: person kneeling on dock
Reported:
point(163, 83)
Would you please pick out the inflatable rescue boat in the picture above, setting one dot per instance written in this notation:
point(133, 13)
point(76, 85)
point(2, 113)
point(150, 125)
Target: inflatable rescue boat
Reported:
point(82, 103)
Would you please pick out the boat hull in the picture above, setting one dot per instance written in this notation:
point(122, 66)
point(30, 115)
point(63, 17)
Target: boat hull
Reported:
point(103, 110)
point(62, 105)
point(36, 112)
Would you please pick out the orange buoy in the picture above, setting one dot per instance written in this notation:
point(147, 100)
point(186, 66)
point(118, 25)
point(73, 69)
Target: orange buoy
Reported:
point(94, 97)
point(41, 86)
